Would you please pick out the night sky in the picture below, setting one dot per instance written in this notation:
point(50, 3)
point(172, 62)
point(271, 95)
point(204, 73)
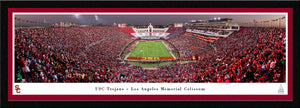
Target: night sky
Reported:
point(136, 19)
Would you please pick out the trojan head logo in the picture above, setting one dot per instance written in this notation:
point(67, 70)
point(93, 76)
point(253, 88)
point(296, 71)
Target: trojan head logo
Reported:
point(17, 88)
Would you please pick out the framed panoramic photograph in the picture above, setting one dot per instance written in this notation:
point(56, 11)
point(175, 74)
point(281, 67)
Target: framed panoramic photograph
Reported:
point(150, 54)
point(140, 54)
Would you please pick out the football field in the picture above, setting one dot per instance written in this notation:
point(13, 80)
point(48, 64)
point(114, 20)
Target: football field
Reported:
point(150, 50)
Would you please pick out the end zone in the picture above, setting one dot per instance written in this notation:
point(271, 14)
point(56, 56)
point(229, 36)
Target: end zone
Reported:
point(150, 58)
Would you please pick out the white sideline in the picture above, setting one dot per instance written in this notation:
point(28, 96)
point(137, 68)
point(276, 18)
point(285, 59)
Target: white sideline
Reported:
point(131, 51)
point(168, 49)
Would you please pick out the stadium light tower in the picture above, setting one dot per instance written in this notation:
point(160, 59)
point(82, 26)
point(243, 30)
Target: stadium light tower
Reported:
point(96, 17)
point(77, 15)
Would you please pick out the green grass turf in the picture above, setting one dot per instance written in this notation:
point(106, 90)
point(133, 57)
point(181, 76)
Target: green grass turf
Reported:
point(150, 49)
point(149, 64)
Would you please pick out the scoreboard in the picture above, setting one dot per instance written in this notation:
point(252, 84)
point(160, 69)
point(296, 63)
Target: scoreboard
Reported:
point(178, 24)
point(121, 25)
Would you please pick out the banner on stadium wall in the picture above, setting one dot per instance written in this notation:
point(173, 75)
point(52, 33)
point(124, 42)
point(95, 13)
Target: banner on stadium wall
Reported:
point(121, 25)
point(178, 24)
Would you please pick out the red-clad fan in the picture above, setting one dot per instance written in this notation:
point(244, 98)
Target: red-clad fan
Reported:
point(90, 54)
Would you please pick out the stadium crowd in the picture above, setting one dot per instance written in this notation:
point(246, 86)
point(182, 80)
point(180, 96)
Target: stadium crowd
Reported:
point(253, 55)
point(90, 54)
point(190, 46)
point(63, 54)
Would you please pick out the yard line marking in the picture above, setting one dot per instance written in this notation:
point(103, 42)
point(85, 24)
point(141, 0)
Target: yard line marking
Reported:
point(147, 50)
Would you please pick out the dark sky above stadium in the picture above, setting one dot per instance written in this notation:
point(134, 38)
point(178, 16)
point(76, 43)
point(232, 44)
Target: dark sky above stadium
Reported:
point(135, 19)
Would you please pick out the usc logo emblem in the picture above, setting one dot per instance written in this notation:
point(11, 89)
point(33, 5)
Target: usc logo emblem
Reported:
point(17, 88)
